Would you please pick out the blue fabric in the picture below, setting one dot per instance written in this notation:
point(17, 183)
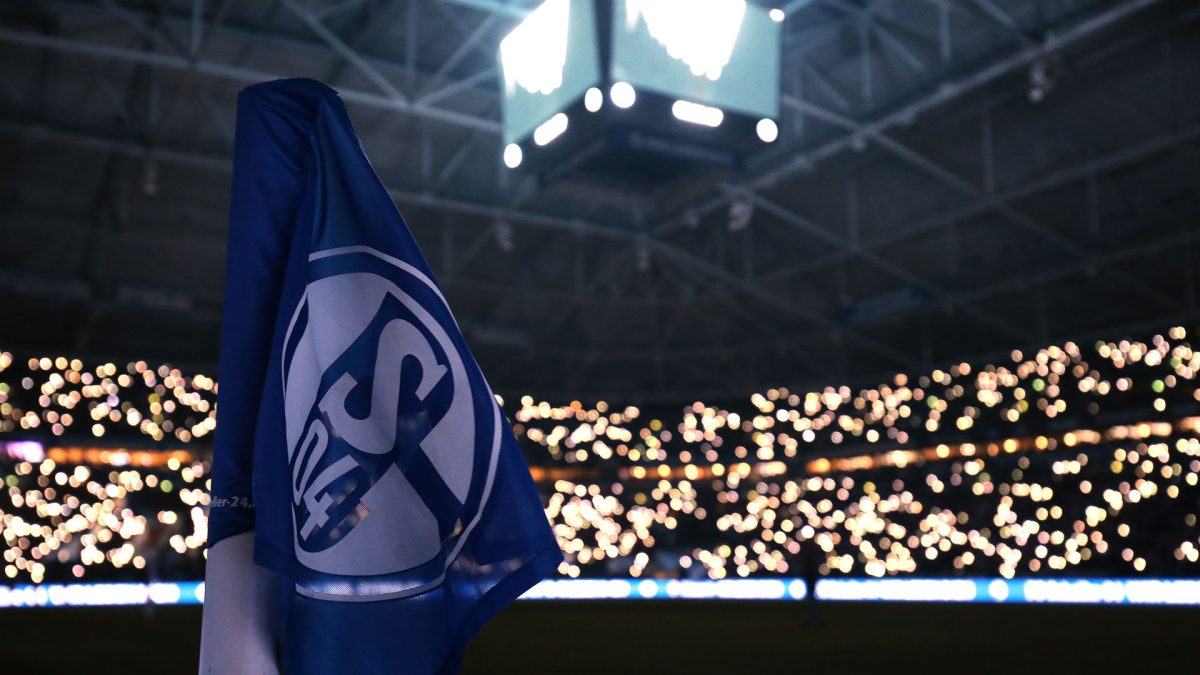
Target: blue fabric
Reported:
point(356, 435)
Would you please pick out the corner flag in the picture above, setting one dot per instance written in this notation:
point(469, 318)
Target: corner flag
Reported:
point(357, 438)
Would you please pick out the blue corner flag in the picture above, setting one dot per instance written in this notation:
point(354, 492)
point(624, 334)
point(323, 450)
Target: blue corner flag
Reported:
point(357, 438)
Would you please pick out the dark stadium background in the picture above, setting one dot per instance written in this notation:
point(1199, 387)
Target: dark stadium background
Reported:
point(967, 199)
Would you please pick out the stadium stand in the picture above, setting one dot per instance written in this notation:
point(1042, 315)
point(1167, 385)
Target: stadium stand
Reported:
point(1069, 461)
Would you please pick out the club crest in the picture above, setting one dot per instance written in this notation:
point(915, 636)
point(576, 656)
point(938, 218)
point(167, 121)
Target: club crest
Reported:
point(391, 430)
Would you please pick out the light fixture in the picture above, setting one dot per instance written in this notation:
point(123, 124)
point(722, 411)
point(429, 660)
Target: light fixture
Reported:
point(777, 15)
point(741, 212)
point(696, 113)
point(622, 95)
point(550, 129)
point(593, 99)
point(512, 155)
point(643, 257)
point(767, 130)
point(504, 236)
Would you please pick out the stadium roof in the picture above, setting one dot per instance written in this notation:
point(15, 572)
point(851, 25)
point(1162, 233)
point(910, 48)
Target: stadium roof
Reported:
point(954, 179)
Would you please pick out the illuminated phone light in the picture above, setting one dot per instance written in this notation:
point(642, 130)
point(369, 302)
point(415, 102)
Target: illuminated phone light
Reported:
point(550, 129)
point(593, 99)
point(767, 130)
point(622, 95)
point(513, 155)
point(777, 15)
point(695, 113)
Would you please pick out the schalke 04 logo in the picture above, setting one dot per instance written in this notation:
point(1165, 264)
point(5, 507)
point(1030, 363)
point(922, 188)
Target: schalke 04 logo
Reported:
point(392, 432)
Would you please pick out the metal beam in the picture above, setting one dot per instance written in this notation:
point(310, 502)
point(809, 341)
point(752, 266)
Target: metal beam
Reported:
point(952, 180)
point(225, 164)
point(238, 74)
point(464, 48)
point(365, 68)
point(493, 7)
point(39, 224)
point(1016, 283)
point(886, 266)
point(487, 213)
point(780, 304)
point(1049, 181)
point(943, 92)
point(465, 84)
point(340, 7)
point(897, 45)
point(1058, 272)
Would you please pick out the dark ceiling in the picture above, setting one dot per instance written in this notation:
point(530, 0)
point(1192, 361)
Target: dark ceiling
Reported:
point(954, 178)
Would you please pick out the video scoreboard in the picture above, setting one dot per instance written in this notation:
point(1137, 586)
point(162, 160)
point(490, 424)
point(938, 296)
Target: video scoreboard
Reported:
point(645, 88)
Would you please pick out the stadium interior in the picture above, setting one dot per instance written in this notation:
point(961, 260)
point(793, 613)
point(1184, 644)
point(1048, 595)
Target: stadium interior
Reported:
point(910, 383)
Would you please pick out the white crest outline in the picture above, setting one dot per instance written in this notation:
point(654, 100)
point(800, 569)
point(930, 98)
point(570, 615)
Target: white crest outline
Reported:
point(346, 589)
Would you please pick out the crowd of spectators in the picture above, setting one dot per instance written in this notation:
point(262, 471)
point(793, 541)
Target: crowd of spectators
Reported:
point(1068, 460)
